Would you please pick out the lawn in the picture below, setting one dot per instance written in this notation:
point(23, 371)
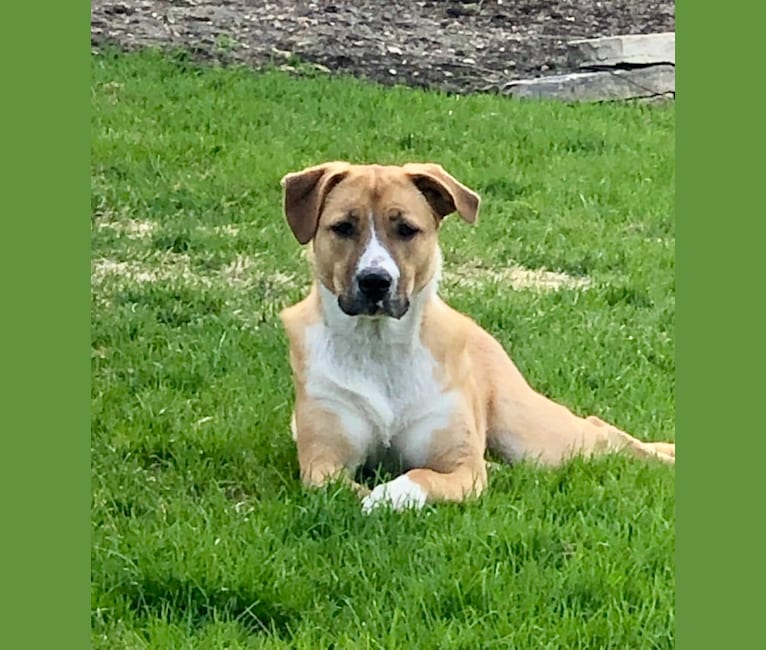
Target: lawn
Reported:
point(202, 536)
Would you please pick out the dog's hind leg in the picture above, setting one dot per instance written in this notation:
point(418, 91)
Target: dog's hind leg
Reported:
point(524, 424)
point(665, 451)
point(667, 448)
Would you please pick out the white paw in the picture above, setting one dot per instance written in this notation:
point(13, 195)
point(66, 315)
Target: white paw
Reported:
point(398, 494)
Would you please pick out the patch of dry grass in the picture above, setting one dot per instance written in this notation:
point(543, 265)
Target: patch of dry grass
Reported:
point(475, 275)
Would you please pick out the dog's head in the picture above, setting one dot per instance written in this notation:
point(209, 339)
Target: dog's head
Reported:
point(374, 228)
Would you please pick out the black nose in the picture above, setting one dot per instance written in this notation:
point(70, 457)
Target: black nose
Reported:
point(374, 284)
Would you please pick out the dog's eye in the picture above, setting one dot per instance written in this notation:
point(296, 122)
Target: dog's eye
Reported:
point(406, 231)
point(343, 229)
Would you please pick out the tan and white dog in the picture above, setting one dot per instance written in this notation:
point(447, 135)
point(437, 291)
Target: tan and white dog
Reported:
point(385, 371)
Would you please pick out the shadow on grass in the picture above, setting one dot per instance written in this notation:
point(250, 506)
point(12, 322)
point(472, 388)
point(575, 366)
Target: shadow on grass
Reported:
point(199, 604)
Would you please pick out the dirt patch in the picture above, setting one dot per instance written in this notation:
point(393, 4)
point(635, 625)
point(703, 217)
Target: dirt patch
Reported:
point(168, 266)
point(450, 45)
point(247, 273)
point(242, 274)
point(227, 230)
point(518, 278)
point(130, 228)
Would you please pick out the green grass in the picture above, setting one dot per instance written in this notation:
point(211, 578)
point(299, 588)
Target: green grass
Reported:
point(202, 534)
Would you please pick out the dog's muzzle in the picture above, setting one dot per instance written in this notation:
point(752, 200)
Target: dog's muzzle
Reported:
point(372, 295)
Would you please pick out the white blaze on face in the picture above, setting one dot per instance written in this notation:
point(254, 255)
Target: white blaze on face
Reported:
point(376, 257)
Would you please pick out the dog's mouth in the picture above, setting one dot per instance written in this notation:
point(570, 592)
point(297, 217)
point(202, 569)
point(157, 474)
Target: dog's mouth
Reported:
point(360, 305)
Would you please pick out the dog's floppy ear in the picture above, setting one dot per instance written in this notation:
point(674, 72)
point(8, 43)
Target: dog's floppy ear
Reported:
point(305, 192)
point(444, 193)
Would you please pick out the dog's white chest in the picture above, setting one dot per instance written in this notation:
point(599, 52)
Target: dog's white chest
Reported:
point(384, 391)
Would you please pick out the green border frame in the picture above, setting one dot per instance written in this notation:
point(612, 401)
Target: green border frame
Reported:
point(44, 265)
point(719, 254)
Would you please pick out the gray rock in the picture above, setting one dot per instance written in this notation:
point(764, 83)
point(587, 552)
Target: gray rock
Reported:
point(598, 86)
point(636, 49)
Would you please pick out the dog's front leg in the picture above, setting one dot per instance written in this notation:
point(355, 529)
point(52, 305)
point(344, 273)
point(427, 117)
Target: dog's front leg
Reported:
point(420, 486)
point(322, 469)
point(325, 452)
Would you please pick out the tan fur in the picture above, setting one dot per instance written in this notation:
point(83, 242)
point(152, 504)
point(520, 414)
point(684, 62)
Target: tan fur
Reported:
point(496, 408)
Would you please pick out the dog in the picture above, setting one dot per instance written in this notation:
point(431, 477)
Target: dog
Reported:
point(385, 372)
